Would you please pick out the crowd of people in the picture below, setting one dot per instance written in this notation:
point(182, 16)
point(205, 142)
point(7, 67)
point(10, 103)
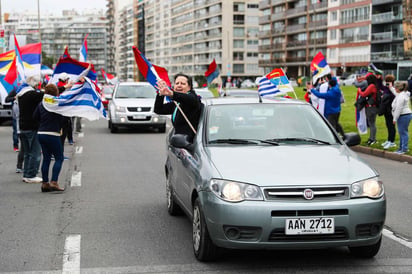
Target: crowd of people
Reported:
point(376, 95)
point(39, 135)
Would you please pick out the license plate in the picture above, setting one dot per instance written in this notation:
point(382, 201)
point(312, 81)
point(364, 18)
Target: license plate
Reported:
point(139, 117)
point(300, 226)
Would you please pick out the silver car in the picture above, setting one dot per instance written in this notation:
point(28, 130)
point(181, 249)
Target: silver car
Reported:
point(132, 106)
point(272, 175)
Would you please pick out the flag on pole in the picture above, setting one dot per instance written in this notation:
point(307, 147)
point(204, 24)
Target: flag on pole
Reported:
point(109, 78)
point(73, 68)
point(274, 83)
point(19, 61)
point(6, 60)
point(82, 100)
point(31, 56)
point(83, 50)
point(212, 72)
point(149, 71)
point(8, 82)
point(319, 67)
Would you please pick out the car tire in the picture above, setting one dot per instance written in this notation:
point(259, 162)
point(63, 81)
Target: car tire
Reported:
point(203, 247)
point(172, 207)
point(113, 128)
point(368, 251)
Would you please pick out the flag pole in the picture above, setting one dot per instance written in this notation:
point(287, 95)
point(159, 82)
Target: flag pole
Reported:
point(176, 104)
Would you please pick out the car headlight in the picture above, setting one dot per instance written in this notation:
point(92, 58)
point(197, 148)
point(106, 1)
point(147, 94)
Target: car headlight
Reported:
point(234, 191)
point(371, 188)
point(120, 109)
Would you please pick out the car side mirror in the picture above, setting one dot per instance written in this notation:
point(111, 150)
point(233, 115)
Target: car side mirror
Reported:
point(180, 141)
point(352, 139)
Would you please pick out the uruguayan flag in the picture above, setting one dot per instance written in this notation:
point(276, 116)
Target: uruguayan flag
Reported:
point(267, 88)
point(82, 100)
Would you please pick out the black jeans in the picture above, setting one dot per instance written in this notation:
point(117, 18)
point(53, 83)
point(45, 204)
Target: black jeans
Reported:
point(390, 126)
point(334, 121)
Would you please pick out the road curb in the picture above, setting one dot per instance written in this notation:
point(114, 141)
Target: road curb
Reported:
point(383, 154)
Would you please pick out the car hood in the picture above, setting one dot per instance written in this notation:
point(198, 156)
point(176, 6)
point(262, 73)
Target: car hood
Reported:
point(289, 165)
point(139, 102)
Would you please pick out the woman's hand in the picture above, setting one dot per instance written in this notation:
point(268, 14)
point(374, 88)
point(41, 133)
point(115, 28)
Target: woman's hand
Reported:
point(163, 88)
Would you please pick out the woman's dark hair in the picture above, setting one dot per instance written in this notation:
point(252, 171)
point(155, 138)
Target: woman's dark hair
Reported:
point(371, 79)
point(189, 79)
point(390, 78)
point(51, 89)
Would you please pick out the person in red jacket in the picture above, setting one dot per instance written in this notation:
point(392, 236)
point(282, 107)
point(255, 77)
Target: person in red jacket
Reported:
point(371, 109)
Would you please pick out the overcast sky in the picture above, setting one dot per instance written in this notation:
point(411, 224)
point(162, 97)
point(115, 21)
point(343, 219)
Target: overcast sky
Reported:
point(51, 5)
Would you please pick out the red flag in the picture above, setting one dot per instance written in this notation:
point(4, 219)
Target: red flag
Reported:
point(11, 75)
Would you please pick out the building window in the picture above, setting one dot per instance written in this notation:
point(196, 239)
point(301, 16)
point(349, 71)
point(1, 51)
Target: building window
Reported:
point(238, 56)
point(238, 7)
point(334, 16)
point(238, 19)
point(333, 34)
point(238, 32)
point(238, 68)
point(238, 44)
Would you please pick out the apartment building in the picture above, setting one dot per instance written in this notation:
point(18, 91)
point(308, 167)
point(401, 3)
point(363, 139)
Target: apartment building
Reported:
point(59, 31)
point(350, 33)
point(110, 16)
point(124, 41)
point(186, 35)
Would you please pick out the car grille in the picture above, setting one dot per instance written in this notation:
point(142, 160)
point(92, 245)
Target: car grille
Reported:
point(146, 118)
point(303, 213)
point(278, 234)
point(296, 193)
point(134, 109)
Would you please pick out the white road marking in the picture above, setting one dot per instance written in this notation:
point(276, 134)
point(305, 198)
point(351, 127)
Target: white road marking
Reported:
point(78, 150)
point(76, 179)
point(71, 255)
point(392, 236)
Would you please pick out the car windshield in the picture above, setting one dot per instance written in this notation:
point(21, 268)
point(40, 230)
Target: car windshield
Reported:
point(266, 124)
point(129, 91)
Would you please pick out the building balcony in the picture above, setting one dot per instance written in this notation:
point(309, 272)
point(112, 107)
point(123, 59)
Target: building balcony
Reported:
point(264, 19)
point(354, 39)
point(386, 56)
point(296, 59)
point(296, 28)
point(296, 43)
point(278, 16)
point(357, 58)
point(264, 4)
point(385, 17)
point(381, 2)
point(265, 47)
point(265, 62)
point(296, 11)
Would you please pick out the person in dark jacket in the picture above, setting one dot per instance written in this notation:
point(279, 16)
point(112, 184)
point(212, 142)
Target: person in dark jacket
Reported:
point(186, 98)
point(49, 138)
point(11, 98)
point(28, 98)
point(385, 109)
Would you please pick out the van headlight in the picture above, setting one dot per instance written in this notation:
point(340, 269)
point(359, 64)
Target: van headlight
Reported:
point(371, 188)
point(231, 191)
point(120, 109)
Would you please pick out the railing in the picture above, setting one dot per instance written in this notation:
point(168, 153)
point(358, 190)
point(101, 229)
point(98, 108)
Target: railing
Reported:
point(354, 58)
point(382, 36)
point(296, 27)
point(385, 17)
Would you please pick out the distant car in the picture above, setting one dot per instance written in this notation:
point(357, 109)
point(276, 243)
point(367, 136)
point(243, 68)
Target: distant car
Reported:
point(247, 83)
point(132, 106)
point(272, 175)
point(235, 92)
point(106, 95)
point(204, 92)
point(348, 81)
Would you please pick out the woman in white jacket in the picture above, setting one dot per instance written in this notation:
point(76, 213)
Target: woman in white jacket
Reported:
point(402, 114)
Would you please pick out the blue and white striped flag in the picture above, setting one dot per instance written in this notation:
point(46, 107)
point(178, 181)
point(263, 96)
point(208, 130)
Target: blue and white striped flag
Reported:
point(268, 88)
point(82, 100)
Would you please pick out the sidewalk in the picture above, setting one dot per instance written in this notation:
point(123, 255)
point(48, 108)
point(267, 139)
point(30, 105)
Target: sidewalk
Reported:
point(383, 154)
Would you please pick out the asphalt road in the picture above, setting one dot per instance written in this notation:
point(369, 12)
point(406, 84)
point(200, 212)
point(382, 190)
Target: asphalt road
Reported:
point(113, 218)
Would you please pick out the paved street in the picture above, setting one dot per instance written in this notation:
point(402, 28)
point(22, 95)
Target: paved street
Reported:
point(113, 217)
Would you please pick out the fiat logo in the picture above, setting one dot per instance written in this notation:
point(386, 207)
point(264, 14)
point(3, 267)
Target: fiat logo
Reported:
point(308, 194)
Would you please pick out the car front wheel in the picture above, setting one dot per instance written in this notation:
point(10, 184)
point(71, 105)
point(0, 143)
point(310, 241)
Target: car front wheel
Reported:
point(368, 251)
point(173, 208)
point(203, 247)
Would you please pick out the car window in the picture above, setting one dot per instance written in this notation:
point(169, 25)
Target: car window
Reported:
point(266, 122)
point(107, 90)
point(129, 91)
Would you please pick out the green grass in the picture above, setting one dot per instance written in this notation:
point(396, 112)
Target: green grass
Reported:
point(348, 119)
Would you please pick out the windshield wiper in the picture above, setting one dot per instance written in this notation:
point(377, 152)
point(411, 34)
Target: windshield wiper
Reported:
point(233, 141)
point(243, 141)
point(305, 139)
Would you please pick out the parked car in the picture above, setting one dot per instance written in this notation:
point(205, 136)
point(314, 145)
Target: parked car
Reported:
point(272, 175)
point(106, 95)
point(235, 92)
point(348, 81)
point(204, 93)
point(132, 106)
point(247, 83)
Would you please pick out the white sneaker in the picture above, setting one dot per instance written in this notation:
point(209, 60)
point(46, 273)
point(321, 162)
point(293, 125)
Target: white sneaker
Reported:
point(389, 145)
point(385, 143)
point(33, 180)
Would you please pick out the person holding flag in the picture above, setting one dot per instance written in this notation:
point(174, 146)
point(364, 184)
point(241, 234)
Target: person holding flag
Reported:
point(185, 98)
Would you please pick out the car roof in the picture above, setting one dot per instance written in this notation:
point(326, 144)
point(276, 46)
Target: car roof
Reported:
point(227, 100)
